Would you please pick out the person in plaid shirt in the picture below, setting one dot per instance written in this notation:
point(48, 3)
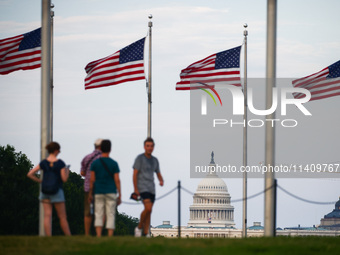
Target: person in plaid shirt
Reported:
point(85, 171)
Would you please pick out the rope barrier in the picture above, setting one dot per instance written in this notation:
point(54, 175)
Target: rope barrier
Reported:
point(234, 200)
point(131, 203)
point(166, 194)
point(159, 198)
point(240, 199)
point(261, 192)
point(303, 199)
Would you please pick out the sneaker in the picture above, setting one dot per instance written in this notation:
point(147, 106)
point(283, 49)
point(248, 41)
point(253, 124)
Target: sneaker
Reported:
point(138, 232)
point(148, 235)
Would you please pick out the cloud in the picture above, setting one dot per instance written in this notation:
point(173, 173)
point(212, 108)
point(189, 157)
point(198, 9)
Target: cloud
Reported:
point(12, 28)
point(296, 59)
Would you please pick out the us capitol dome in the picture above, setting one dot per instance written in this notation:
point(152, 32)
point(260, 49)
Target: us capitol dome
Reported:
point(211, 203)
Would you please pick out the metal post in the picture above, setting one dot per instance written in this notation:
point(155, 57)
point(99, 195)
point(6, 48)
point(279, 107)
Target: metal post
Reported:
point(245, 136)
point(275, 200)
point(179, 209)
point(149, 77)
point(269, 224)
point(45, 90)
point(51, 81)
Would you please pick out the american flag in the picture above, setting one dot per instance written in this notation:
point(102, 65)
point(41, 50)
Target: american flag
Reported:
point(22, 52)
point(323, 84)
point(125, 65)
point(221, 68)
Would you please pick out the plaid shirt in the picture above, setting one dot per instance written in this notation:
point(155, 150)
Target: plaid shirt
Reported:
point(85, 166)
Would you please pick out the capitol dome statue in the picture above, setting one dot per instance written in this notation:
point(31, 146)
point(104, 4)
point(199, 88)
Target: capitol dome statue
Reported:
point(211, 202)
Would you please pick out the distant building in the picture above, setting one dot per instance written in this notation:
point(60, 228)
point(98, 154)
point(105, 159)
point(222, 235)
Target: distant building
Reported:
point(167, 230)
point(256, 226)
point(331, 221)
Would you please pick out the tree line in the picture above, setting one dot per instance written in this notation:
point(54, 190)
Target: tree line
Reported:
point(19, 201)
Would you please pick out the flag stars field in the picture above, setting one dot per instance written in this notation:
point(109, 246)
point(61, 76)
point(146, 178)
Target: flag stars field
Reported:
point(132, 52)
point(228, 59)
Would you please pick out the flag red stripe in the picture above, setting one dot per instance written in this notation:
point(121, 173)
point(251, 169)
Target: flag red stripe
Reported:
point(198, 67)
point(113, 83)
point(321, 91)
point(96, 64)
point(326, 96)
point(202, 61)
point(211, 74)
point(5, 45)
point(23, 54)
point(97, 72)
point(317, 75)
point(210, 70)
point(209, 81)
point(21, 60)
point(26, 67)
point(306, 82)
point(24, 61)
point(115, 76)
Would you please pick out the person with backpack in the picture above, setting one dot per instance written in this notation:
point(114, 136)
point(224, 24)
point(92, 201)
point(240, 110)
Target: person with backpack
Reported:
point(106, 184)
point(86, 172)
point(55, 173)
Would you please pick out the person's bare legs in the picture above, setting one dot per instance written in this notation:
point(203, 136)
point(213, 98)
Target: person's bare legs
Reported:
point(61, 211)
point(110, 232)
point(47, 217)
point(88, 217)
point(99, 231)
point(148, 218)
point(145, 216)
point(87, 224)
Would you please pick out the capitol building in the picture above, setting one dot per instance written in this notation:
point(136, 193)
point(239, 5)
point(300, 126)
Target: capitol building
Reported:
point(211, 203)
point(212, 215)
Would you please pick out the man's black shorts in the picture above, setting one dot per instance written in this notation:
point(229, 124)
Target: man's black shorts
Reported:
point(148, 195)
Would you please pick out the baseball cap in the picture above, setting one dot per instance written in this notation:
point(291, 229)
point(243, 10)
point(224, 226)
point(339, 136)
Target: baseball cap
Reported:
point(98, 142)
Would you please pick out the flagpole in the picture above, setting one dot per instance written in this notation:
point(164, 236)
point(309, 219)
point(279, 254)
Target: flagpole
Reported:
point(245, 136)
point(149, 77)
point(45, 90)
point(269, 214)
point(51, 82)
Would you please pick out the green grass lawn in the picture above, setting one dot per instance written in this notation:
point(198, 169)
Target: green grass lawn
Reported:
point(130, 245)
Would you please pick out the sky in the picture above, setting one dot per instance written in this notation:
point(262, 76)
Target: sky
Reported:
point(183, 32)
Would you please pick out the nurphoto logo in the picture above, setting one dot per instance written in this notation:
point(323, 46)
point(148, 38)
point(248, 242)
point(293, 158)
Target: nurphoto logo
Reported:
point(238, 106)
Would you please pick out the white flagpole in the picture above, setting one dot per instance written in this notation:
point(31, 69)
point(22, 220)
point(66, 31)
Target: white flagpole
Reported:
point(245, 136)
point(45, 128)
point(269, 214)
point(149, 78)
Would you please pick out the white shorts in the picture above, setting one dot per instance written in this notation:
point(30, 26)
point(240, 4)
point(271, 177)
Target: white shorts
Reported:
point(105, 204)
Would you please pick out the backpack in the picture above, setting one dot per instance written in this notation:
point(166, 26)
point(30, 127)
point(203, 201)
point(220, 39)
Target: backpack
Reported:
point(50, 183)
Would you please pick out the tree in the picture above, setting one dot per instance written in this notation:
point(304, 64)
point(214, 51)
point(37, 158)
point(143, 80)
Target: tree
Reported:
point(125, 224)
point(19, 212)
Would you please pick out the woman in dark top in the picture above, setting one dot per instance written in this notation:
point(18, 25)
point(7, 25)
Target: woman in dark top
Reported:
point(54, 174)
